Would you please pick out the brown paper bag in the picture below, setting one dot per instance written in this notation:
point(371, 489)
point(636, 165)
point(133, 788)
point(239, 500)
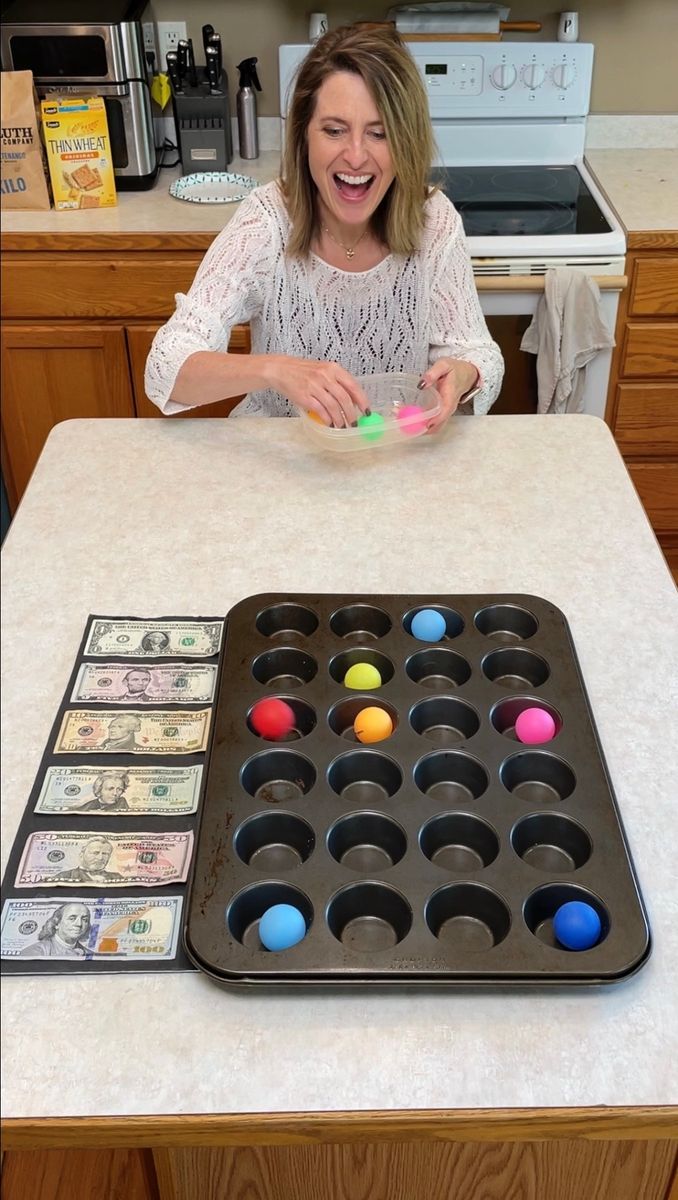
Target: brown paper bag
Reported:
point(22, 173)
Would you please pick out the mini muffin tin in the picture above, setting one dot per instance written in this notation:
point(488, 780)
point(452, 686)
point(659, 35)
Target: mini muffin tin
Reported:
point(436, 856)
point(404, 409)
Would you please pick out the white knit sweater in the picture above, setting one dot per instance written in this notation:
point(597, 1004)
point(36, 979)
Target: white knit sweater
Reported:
point(399, 316)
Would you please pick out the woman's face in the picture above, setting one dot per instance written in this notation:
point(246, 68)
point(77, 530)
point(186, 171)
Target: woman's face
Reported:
point(348, 155)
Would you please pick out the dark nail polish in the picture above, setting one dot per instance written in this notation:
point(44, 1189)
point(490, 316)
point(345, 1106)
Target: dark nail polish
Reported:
point(421, 385)
point(368, 412)
point(354, 424)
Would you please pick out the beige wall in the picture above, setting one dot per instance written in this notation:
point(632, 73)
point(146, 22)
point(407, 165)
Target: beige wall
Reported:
point(636, 41)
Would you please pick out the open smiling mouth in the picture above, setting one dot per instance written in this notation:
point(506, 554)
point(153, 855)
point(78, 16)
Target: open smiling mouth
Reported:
point(353, 187)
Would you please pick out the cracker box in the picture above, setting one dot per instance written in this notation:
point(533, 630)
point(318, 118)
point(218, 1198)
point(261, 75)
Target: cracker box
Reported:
point(78, 151)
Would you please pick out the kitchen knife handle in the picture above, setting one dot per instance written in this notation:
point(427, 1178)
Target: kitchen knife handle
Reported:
point(192, 73)
point(207, 31)
point(173, 70)
point(212, 62)
point(215, 40)
point(182, 58)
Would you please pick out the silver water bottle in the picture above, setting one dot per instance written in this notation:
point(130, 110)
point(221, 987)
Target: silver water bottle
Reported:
point(246, 108)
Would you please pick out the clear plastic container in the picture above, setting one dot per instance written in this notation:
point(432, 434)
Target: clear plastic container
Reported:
point(400, 413)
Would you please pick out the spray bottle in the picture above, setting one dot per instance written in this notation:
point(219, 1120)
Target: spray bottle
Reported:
point(246, 106)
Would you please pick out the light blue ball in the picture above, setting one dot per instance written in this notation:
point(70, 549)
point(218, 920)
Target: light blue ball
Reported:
point(281, 927)
point(577, 925)
point(428, 625)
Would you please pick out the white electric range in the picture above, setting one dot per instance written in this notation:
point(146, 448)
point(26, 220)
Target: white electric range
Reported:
point(509, 120)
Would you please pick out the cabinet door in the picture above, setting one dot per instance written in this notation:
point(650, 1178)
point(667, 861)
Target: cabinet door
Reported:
point(139, 338)
point(51, 373)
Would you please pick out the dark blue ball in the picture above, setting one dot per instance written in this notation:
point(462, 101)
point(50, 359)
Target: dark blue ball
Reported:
point(577, 925)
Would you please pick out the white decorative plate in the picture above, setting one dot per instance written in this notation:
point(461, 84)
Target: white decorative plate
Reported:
point(212, 187)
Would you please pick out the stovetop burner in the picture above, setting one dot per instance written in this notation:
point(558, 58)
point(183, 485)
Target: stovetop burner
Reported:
point(515, 201)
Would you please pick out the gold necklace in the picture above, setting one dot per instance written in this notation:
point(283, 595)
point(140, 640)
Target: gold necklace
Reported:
point(349, 251)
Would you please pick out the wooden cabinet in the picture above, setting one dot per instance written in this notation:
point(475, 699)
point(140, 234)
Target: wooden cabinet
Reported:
point(642, 407)
point(78, 323)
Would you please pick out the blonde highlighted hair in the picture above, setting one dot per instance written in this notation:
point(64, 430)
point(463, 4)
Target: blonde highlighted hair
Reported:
point(382, 60)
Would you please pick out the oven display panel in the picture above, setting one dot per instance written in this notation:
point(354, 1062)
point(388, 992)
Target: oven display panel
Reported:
point(453, 75)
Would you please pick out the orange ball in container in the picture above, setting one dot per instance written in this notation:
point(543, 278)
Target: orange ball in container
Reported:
point(372, 725)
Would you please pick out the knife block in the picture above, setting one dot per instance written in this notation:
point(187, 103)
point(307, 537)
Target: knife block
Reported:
point(203, 124)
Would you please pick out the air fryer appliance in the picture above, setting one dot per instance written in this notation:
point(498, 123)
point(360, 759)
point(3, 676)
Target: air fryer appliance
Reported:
point(102, 55)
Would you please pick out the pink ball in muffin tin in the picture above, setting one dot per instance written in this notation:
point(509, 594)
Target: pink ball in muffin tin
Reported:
point(413, 419)
point(534, 725)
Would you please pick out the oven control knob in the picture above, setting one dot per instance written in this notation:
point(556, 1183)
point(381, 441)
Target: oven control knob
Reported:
point(563, 76)
point(533, 76)
point(504, 76)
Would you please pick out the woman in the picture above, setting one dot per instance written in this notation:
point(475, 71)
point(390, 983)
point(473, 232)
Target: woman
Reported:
point(350, 265)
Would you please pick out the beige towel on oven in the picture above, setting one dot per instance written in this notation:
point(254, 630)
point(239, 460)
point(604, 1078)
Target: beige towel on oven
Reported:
point(566, 332)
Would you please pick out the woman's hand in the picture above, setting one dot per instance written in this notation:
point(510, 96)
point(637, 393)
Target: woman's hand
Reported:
point(452, 379)
point(323, 388)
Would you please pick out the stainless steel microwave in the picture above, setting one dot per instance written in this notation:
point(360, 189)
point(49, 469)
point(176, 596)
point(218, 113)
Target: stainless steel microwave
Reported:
point(104, 58)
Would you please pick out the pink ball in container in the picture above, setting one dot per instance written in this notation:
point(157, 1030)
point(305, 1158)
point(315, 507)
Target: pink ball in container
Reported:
point(535, 725)
point(413, 419)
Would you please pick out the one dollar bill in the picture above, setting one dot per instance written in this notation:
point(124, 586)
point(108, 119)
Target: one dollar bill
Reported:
point(91, 859)
point(130, 928)
point(120, 683)
point(84, 730)
point(136, 791)
point(154, 639)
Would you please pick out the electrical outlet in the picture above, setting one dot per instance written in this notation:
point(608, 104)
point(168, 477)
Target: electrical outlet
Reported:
point(170, 33)
point(150, 43)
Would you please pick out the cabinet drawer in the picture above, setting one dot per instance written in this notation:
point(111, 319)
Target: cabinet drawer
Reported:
point(657, 486)
point(654, 287)
point(95, 285)
point(646, 419)
point(651, 350)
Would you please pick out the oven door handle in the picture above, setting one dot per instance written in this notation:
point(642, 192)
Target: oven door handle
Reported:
point(535, 283)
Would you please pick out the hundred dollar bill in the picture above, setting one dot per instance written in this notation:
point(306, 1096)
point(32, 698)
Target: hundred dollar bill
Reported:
point(127, 928)
point(90, 859)
point(173, 683)
point(83, 730)
point(136, 791)
point(154, 639)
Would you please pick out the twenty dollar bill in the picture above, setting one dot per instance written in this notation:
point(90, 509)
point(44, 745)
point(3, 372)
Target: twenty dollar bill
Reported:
point(120, 683)
point(126, 928)
point(91, 859)
point(154, 639)
point(84, 730)
point(136, 791)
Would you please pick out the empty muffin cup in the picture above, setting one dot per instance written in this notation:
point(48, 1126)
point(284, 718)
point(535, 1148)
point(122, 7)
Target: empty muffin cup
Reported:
point(248, 907)
point(454, 623)
point(537, 777)
point(364, 777)
point(340, 664)
point(368, 917)
point(451, 777)
point(285, 621)
point(505, 714)
point(360, 623)
point(459, 842)
point(467, 917)
point(506, 623)
point(304, 720)
point(438, 669)
point(277, 776)
point(515, 668)
point(342, 715)
point(274, 841)
point(551, 842)
point(369, 842)
point(541, 906)
point(444, 720)
point(284, 668)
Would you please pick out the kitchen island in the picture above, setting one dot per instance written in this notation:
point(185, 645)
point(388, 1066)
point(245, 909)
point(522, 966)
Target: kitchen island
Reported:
point(189, 1089)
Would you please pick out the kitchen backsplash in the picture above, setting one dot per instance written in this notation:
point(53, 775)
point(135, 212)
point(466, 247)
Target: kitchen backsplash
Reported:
point(634, 69)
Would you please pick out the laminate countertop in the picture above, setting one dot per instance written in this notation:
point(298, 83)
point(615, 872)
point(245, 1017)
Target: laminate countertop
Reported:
point(641, 185)
point(150, 517)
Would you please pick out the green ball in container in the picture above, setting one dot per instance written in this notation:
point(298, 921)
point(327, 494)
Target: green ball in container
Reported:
point(371, 426)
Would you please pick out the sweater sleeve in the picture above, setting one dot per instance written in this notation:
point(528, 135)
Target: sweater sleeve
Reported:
point(458, 327)
point(227, 290)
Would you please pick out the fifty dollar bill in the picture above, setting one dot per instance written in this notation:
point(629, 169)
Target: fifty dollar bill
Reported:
point(91, 859)
point(136, 791)
point(138, 732)
point(120, 683)
point(78, 929)
point(154, 639)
